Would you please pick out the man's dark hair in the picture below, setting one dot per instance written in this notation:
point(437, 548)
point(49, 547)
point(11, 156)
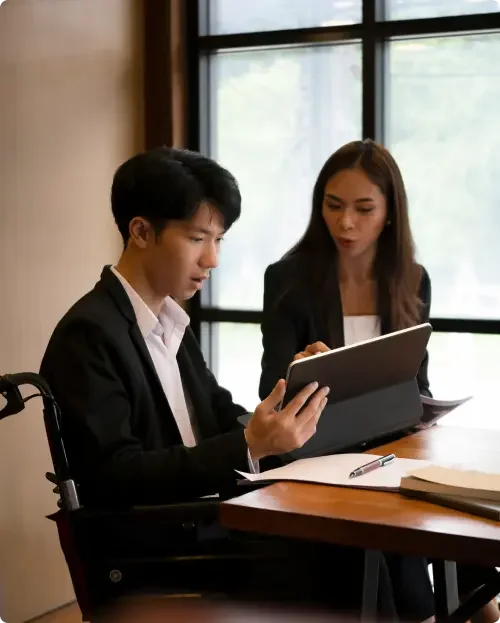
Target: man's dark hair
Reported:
point(170, 184)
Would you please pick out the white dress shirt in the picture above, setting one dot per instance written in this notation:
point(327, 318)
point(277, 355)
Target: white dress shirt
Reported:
point(163, 336)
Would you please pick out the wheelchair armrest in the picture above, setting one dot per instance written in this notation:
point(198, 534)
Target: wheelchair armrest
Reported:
point(204, 511)
point(183, 516)
point(202, 508)
point(143, 530)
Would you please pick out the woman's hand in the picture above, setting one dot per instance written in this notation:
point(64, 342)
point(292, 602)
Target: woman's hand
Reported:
point(312, 349)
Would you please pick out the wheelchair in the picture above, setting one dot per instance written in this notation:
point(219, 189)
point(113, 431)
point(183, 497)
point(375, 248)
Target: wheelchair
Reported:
point(111, 553)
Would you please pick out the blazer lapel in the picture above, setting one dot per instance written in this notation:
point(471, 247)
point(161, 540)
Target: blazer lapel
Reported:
point(337, 320)
point(385, 324)
point(198, 396)
point(328, 317)
point(148, 364)
point(384, 310)
point(165, 413)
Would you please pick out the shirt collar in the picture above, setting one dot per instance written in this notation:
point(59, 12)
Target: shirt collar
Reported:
point(171, 313)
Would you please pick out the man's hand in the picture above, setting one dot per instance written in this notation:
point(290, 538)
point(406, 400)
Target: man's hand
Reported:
point(271, 432)
point(312, 349)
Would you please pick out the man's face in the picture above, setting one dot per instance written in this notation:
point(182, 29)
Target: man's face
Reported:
point(179, 260)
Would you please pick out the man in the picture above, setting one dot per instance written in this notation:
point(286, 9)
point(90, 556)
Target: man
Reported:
point(144, 420)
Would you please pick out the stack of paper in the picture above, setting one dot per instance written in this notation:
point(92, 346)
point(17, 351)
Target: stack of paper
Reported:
point(335, 470)
point(453, 481)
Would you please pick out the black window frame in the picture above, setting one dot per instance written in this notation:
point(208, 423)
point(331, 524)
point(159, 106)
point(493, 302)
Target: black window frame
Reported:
point(374, 32)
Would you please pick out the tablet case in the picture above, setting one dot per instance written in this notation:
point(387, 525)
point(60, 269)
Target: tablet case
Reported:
point(365, 418)
point(373, 390)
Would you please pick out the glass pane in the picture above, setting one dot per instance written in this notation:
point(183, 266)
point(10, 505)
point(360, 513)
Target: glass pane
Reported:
point(418, 9)
point(236, 356)
point(464, 364)
point(233, 16)
point(276, 117)
point(443, 128)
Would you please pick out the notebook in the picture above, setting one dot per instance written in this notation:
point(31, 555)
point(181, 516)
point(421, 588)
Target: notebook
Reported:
point(335, 469)
point(453, 481)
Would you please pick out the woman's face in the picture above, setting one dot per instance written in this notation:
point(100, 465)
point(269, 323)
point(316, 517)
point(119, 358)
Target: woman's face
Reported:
point(355, 212)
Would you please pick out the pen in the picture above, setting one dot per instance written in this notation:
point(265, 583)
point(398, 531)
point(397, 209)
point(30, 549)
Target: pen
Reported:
point(364, 469)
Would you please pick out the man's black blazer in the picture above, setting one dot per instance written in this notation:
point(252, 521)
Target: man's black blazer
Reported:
point(122, 441)
point(292, 320)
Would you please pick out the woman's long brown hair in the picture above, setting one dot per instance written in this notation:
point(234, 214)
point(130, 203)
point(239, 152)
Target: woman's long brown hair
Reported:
point(395, 270)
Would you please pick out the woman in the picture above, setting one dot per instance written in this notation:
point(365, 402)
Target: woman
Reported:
point(353, 274)
point(351, 277)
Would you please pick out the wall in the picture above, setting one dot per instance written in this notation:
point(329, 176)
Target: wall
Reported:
point(70, 112)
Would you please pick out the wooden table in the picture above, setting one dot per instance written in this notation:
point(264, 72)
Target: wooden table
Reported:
point(377, 520)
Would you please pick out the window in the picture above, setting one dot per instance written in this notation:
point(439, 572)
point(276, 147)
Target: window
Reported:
point(465, 364)
point(417, 9)
point(233, 16)
point(443, 127)
point(283, 83)
point(238, 350)
point(276, 117)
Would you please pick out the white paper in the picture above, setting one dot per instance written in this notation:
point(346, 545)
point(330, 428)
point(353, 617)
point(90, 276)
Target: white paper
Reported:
point(335, 470)
point(433, 410)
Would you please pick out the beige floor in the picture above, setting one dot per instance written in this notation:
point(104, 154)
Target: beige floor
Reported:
point(68, 614)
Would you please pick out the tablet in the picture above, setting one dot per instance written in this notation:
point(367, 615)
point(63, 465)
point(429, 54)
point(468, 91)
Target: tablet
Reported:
point(363, 367)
